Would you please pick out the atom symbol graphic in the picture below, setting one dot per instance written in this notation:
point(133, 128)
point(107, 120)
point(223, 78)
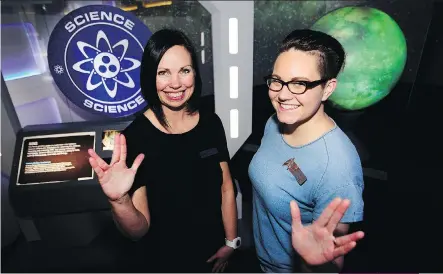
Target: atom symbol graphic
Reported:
point(58, 69)
point(106, 65)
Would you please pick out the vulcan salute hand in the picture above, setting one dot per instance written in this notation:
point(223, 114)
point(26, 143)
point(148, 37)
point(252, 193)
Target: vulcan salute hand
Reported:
point(316, 243)
point(116, 179)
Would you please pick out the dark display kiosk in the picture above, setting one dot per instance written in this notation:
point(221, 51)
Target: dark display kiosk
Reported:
point(51, 174)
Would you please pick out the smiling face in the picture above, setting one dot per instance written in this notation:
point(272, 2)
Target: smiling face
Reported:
point(295, 65)
point(175, 78)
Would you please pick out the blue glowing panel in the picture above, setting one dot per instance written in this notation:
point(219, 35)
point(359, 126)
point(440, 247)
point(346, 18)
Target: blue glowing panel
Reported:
point(21, 53)
point(43, 111)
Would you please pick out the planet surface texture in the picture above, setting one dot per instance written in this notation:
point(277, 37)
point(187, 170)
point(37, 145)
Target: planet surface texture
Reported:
point(376, 53)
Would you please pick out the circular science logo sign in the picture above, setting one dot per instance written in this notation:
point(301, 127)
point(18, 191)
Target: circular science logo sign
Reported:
point(94, 54)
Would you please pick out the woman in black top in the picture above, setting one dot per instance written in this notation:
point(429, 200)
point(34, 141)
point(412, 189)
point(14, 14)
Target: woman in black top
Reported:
point(179, 190)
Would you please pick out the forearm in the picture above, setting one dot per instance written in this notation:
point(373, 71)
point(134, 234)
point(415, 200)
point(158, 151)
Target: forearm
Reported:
point(229, 213)
point(131, 222)
point(334, 266)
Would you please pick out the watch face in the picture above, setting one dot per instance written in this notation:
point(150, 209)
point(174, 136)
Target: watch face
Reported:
point(238, 242)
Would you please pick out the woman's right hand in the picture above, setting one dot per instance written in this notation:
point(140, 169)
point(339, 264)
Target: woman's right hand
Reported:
point(116, 179)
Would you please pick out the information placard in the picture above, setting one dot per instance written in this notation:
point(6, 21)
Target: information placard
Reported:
point(55, 158)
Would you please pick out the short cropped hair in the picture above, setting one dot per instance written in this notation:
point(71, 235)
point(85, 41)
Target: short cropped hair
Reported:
point(331, 53)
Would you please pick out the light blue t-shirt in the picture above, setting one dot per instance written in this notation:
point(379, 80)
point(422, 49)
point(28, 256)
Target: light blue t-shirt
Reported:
point(333, 169)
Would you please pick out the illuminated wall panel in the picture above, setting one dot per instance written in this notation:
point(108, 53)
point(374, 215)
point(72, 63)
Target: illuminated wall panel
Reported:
point(21, 53)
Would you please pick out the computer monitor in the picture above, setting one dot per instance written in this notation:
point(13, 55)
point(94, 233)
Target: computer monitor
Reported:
point(51, 173)
point(55, 158)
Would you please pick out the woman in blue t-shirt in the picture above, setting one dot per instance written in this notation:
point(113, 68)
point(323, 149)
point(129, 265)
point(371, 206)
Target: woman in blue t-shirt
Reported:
point(305, 160)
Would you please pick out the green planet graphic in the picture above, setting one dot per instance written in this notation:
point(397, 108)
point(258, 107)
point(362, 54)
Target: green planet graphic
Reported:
point(375, 55)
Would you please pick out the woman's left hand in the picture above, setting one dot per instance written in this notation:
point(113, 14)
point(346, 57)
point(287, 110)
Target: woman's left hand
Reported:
point(316, 243)
point(221, 258)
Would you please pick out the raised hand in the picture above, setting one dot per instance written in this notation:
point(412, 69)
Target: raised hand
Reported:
point(316, 243)
point(116, 179)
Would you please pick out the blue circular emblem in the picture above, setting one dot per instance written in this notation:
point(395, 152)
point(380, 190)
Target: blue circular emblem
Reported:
point(94, 55)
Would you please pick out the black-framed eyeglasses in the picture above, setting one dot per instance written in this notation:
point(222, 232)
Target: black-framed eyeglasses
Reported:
point(295, 86)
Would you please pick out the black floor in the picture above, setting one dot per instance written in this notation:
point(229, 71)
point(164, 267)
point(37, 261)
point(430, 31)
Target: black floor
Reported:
point(109, 252)
point(403, 235)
